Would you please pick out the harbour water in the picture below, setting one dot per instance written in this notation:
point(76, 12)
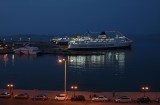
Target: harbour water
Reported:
point(118, 70)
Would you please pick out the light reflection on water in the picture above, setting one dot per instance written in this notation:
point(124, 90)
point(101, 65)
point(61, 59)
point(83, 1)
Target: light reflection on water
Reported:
point(99, 70)
point(99, 62)
point(114, 70)
point(110, 63)
point(9, 59)
point(4, 59)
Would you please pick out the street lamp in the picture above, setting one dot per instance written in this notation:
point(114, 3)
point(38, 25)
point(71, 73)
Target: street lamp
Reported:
point(74, 88)
point(144, 89)
point(60, 61)
point(10, 87)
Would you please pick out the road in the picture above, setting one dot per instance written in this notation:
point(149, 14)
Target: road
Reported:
point(49, 102)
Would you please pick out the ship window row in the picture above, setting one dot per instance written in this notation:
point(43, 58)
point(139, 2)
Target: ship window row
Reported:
point(96, 45)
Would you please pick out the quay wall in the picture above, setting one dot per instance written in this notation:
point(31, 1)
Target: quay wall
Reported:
point(52, 94)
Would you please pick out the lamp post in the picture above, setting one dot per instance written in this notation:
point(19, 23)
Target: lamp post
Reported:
point(65, 69)
point(144, 89)
point(10, 87)
point(74, 88)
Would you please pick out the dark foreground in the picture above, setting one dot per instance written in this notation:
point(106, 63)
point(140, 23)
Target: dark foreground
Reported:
point(49, 102)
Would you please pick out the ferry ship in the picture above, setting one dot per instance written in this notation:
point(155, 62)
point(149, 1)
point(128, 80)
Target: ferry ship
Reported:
point(101, 42)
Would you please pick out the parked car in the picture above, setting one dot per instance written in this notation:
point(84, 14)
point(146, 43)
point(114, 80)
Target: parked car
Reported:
point(143, 100)
point(5, 95)
point(100, 98)
point(158, 100)
point(123, 99)
point(21, 96)
point(61, 97)
point(40, 97)
point(78, 98)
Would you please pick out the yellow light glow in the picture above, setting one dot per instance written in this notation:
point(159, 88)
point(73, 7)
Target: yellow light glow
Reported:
point(63, 60)
point(60, 60)
point(145, 88)
point(10, 85)
point(74, 87)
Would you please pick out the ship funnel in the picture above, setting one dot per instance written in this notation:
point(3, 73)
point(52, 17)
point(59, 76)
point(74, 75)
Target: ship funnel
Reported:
point(78, 36)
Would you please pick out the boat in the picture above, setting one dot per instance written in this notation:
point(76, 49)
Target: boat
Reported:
point(27, 50)
point(103, 41)
point(60, 41)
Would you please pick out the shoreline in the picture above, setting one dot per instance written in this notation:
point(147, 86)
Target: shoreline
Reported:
point(51, 94)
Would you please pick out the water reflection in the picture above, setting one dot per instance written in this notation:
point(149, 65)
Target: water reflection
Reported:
point(110, 68)
point(110, 59)
point(13, 59)
point(4, 59)
point(97, 70)
point(9, 59)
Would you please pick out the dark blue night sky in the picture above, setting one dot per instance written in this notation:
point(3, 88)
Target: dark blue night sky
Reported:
point(79, 16)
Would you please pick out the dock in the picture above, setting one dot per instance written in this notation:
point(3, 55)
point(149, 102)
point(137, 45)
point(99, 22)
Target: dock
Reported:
point(49, 48)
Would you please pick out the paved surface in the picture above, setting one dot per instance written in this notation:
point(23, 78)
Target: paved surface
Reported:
point(51, 95)
point(48, 102)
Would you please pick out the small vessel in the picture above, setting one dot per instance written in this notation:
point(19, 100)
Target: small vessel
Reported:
point(101, 42)
point(27, 50)
point(60, 41)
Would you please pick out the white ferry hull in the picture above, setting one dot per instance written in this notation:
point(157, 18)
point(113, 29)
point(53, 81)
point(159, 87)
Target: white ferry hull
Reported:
point(77, 47)
point(102, 42)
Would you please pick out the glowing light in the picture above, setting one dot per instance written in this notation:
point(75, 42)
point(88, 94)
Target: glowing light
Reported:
point(10, 85)
point(60, 60)
point(74, 87)
point(145, 88)
point(71, 60)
